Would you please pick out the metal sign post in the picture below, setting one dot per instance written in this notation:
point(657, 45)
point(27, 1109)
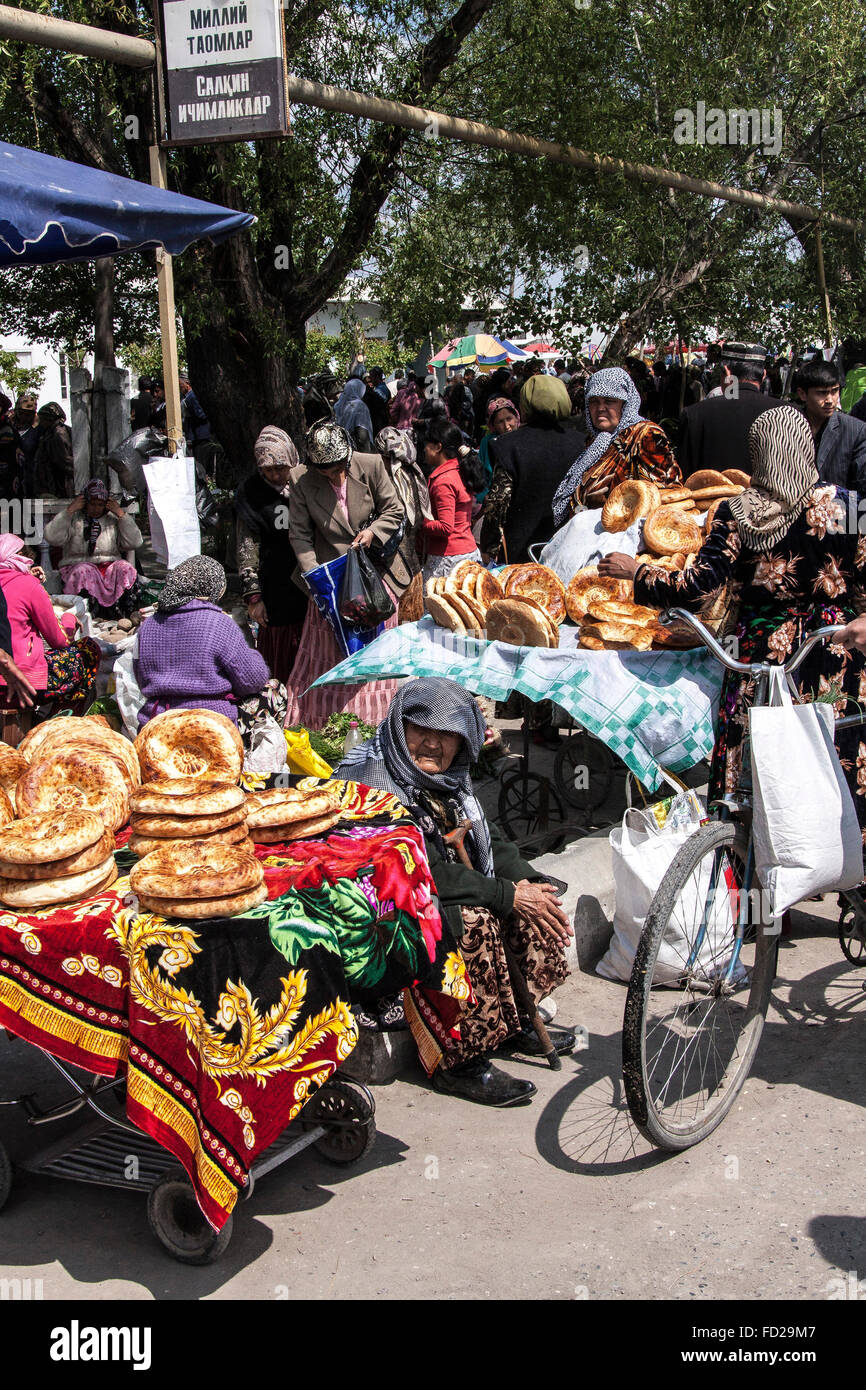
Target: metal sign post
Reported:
point(224, 69)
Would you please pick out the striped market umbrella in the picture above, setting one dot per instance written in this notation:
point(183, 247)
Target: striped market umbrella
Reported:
point(479, 349)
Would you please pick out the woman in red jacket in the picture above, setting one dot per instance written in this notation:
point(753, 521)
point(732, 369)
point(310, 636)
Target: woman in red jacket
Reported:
point(454, 475)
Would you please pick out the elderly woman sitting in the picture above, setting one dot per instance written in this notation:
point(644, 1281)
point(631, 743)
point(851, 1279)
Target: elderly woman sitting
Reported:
point(625, 446)
point(192, 655)
point(94, 531)
point(422, 753)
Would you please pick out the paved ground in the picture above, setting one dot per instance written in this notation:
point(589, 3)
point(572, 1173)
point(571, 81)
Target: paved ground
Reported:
point(560, 1199)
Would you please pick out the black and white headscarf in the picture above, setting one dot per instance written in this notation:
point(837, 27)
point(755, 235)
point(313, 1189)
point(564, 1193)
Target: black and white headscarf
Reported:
point(784, 472)
point(198, 577)
point(328, 445)
point(384, 761)
point(616, 384)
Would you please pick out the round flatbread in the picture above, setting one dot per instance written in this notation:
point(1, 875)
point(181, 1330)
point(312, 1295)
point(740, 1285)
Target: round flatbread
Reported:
point(674, 494)
point(66, 779)
point(737, 477)
point(68, 722)
point(298, 830)
point(185, 827)
point(627, 502)
point(464, 612)
point(44, 839)
point(711, 514)
point(590, 642)
point(46, 892)
point(487, 588)
point(12, 768)
point(235, 835)
point(618, 636)
point(190, 743)
point(712, 494)
point(617, 610)
point(186, 796)
point(197, 908)
point(588, 585)
point(461, 572)
point(87, 734)
point(519, 622)
point(62, 868)
point(197, 869)
point(706, 477)
point(667, 531)
point(677, 637)
point(443, 614)
point(7, 810)
point(541, 584)
point(278, 806)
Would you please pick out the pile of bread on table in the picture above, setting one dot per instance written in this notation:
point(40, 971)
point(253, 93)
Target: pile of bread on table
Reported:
point(73, 783)
point(526, 604)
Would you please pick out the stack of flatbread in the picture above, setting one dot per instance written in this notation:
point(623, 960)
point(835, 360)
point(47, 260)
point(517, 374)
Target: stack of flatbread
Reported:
point(56, 858)
point(77, 764)
point(198, 879)
point(459, 601)
point(288, 813)
point(182, 809)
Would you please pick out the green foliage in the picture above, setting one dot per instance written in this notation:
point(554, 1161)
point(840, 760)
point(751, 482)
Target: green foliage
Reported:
point(145, 358)
point(323, 349)
point(328, 741)
point(18, 379)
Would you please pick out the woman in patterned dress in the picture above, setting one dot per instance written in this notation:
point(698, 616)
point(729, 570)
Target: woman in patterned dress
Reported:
point(625, 446)
point(792, 561)
point(422, 754)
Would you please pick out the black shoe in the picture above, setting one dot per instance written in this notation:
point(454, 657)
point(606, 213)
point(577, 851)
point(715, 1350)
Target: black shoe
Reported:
point(480, 1081)
point(527, 1042)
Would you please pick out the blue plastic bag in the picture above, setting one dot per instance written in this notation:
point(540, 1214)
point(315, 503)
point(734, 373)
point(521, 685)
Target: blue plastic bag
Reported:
point(324, 583)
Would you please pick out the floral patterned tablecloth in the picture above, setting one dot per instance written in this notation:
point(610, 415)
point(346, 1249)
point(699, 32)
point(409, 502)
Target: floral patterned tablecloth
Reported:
point(226, 1027)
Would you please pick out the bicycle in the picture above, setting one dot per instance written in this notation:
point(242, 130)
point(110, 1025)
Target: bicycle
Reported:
point(688, 1045)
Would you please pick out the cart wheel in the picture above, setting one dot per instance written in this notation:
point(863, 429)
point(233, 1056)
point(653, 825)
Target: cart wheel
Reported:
point(5, 1177)
point(348, 1110)
point(583, 772)
point(852, 937)
point(176, 1220)
point(530, 818)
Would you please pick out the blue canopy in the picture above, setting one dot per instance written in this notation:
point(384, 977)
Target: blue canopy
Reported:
point(53, 210)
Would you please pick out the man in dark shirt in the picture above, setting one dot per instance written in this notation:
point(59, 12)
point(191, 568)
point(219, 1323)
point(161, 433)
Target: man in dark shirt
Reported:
point(714, 432)
point(840, 440)
point(141, 407)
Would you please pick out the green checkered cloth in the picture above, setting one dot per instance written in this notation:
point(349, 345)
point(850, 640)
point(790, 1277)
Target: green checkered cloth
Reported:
point(654, 710)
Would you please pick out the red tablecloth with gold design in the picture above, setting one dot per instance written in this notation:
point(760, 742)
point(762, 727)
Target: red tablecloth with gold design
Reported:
point(226, 1027)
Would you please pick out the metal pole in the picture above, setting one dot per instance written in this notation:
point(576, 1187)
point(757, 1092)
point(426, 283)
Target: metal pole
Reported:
point(28, 27)
point(167, 318)
point(822, 285)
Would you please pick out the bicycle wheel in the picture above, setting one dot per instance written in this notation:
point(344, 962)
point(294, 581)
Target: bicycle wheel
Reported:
point(688, 1047)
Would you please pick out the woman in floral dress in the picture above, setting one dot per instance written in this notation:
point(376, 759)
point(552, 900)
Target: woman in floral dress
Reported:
point(791, 556)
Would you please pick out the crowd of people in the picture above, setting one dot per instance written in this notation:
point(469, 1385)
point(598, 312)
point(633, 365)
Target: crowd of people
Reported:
point(421, 482)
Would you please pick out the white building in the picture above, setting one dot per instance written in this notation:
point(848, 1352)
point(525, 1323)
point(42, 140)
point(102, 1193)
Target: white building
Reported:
point(55, 386)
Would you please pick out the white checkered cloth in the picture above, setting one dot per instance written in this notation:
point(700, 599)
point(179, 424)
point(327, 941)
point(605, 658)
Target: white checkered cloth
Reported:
point(654, 710)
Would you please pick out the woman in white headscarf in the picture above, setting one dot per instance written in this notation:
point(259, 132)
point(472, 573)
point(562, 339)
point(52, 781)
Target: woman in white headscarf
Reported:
point(624, 446)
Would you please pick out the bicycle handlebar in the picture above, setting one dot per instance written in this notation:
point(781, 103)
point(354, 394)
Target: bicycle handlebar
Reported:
point(671, 615)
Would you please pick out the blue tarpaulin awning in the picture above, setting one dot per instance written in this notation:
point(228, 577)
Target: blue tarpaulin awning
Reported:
point(52, 210)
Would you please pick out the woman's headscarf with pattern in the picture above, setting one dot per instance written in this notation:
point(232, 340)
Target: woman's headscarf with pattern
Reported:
point(350, 410)
point(784, 472)
point(328, 445)
point(198, 577)
point(274, 448)
point(615, 383)
point(497, 403)
point(384, 761)
point(399, 447)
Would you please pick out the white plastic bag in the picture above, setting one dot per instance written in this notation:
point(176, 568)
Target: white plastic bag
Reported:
point(267, 750)
point(583, 541)
point(807, 839)
point(126, 692)
point(642, 852)
point(174, 527)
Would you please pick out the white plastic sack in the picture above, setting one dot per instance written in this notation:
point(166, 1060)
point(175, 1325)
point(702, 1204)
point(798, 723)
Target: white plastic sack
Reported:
point(807, 839)
point(174, 528)
point(583, 541)
point(267, 750)
point(126, 692)
point(642, 854)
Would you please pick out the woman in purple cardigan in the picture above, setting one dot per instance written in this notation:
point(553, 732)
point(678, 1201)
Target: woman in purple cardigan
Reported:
point(192, 655)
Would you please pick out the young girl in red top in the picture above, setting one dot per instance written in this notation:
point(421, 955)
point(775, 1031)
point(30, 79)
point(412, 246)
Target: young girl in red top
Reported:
point(453, 480)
